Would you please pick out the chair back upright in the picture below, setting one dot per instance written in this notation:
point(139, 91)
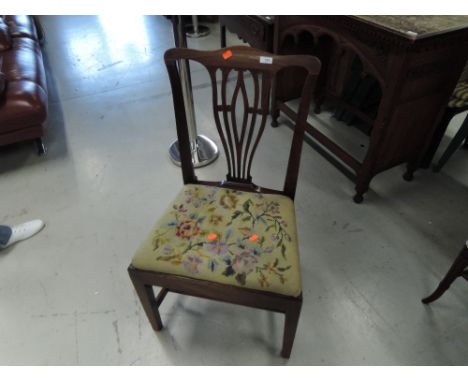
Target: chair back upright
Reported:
point(241, 117)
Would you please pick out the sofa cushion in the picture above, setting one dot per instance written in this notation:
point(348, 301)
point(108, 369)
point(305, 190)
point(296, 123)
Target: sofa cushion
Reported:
point(230, 237)
point(5, 39)
point(24, 62)
point(23, 105)
point(21, 26)
point(24, 101)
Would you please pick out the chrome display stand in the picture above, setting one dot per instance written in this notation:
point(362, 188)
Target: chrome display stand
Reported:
point(204, 150)
point(195, 30)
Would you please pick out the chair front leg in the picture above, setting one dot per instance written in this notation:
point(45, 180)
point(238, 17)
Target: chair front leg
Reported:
point(290, 325)
point(147, 299)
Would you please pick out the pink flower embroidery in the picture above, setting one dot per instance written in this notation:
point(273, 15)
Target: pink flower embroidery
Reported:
point(187, 229)
point(191, 263)
point(217, 247)
point(244, 262)
point(180, 208)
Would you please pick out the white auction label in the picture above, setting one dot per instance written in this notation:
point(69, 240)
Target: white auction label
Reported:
point(266, 60)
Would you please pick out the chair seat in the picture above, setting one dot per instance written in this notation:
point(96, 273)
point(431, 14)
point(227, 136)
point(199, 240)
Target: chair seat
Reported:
point(230, 237)
point(459, 96)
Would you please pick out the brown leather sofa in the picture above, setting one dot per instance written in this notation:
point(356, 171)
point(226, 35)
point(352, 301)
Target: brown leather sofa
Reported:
point(23, 87)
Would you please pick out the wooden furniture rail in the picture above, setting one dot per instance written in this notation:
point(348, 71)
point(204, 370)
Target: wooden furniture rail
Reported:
point(416, 60)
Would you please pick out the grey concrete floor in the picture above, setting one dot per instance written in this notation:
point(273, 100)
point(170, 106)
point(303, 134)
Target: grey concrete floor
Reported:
point(66, 299)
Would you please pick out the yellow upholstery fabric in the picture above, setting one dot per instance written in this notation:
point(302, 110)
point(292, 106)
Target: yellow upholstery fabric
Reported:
point(231, 237)
point(459, 95)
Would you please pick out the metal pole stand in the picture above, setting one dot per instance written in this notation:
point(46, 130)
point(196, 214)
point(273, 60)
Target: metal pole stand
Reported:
point(195, 30)
point(204, 150)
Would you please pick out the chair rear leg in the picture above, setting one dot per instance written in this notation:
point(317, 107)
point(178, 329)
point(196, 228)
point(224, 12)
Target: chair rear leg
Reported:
point(223, 35)
point(456, 142)
point(456, 270)
point(290, 326)
point(147, 299)
point(437, 137)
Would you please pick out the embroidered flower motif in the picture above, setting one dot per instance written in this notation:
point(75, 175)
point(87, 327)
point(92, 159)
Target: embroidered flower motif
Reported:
point(217, 247)
point(180, 208)
point(244, 262)
point(166, 250)
point(268, 249)
point(228, 200)
point(193, 197)
point(196, 197)
point(187, 229)
point(191, 263)
point(215, 219)
point(273, 208)
point(246, 231)
point(211, 196)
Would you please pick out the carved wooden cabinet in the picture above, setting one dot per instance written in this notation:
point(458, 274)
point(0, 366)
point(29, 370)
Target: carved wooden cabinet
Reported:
point(416, 61)
point(256, 30)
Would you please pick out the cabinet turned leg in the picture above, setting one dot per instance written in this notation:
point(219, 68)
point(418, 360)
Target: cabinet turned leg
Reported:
point(409, 174)
point(274, 117)
point(318, 104)
point(361, 189)
point(358, 198)
point(41, 149)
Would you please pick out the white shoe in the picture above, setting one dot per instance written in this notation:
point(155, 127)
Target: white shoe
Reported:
point(24, 231)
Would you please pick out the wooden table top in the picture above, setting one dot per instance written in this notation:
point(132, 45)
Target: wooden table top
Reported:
point(417, 27)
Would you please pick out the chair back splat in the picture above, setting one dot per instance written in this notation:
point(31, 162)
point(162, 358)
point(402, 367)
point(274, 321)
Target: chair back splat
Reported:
point(240, 119)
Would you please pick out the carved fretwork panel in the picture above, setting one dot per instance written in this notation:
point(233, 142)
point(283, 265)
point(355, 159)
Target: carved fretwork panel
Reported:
point(349, 79)
point(240, 117)
point(372, 57)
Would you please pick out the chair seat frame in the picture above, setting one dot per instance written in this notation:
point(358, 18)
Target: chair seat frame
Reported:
point(143, 280)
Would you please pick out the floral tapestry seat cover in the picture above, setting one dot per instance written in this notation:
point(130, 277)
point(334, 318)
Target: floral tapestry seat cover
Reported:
point(226, 236)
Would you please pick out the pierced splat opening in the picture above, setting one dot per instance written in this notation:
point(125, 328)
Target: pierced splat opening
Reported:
point(240, 111)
